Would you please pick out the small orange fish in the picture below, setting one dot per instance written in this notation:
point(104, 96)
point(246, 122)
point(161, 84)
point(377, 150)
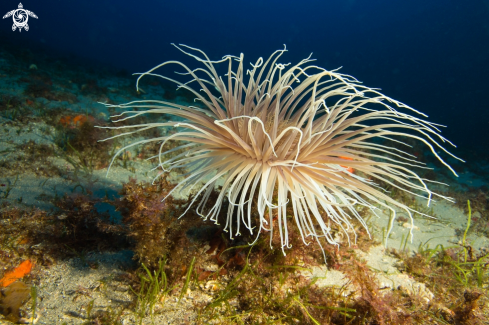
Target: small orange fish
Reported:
point(18, 273)
point(348, 169)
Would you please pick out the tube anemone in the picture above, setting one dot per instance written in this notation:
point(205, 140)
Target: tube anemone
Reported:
point(293, 136)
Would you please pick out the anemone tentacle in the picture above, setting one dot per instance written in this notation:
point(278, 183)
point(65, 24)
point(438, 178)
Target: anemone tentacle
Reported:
point(293, 135)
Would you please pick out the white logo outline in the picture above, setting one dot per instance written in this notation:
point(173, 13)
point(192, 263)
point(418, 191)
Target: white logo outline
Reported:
point(20, 17)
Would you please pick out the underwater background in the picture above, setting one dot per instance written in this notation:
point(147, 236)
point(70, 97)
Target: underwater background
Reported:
point(90, 249)
point(432, 55)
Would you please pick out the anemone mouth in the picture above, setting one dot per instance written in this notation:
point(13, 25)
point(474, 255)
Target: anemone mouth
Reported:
point(299, 136)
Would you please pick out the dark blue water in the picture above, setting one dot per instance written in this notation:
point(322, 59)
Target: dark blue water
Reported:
point(432, 55)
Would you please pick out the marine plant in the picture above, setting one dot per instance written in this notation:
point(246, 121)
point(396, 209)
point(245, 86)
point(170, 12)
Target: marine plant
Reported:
point(150, 222)
point(281, 135)
point(457, 276)
point(152, 288)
